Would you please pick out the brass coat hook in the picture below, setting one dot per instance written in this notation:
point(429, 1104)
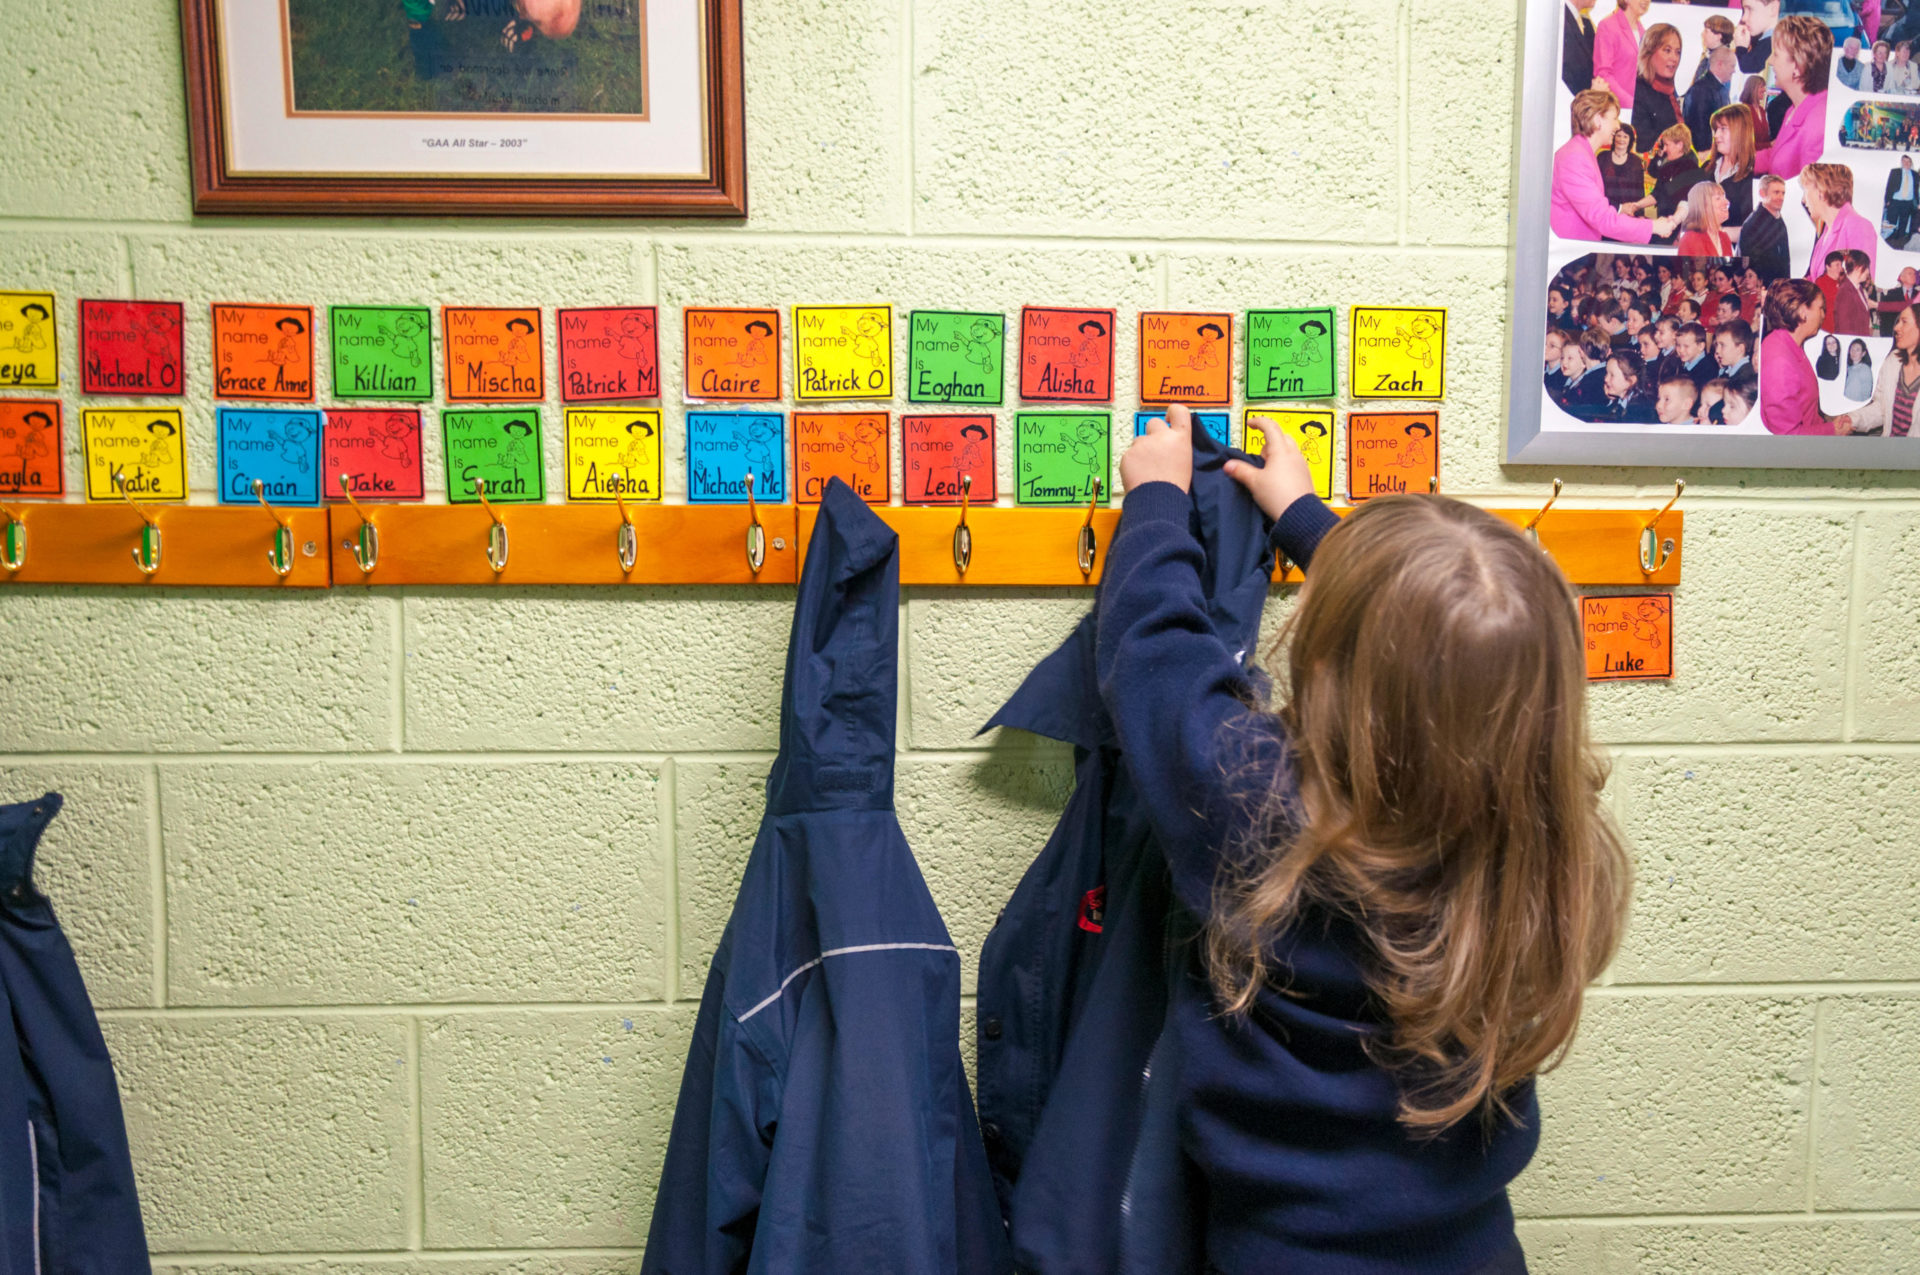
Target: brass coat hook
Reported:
point(13, 542)
point(756, 534)
point(280, 553)
point(365, 545)
point(1433, 484)
point(963, 535)
point(626, 541)
point(497, 546)
point(1654, 551)
point(146, 554)
point(1533, 523)
point(1089, 543)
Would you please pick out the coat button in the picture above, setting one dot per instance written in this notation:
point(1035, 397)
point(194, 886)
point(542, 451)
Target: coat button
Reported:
point(991, 1029)
point(991, 1133)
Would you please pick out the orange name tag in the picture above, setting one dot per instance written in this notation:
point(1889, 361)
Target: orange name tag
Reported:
point(1391, 453)
point(1628, 638)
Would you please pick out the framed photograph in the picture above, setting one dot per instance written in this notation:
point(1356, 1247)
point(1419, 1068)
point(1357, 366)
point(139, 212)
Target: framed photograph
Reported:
point(627, 108)
point(1716, 255)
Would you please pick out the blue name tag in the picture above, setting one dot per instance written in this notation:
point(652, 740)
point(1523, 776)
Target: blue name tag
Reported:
point(1215, 423)
point(279, 449)
point(724, 447)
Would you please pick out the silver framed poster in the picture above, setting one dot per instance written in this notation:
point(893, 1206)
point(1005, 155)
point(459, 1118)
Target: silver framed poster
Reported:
point(1717, 235)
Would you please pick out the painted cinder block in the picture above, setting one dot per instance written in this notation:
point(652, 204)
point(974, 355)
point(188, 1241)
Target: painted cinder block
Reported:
point(1676, 1104)
point(1210, 141)
point(1810, 1246)
point(968, 651)
point(1886, 686)
point(647, 669)
point(826, 123)
point(1769, 867)
point(341, 883)
point(96, 864)
point(1867, 1125)
point(1458, 190)
point(718, 805)
point(261, 1134)
point(96, 125)
point(132, 670)
point(547, 1130)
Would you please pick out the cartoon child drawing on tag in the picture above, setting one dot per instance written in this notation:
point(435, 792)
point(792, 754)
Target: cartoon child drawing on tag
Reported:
point(865, 449)
point(634, 457)
point(1206, 350)
point(405, 334)
point(979, 344)
point(392, 435)
point(1419, 336)
point(973, 457)
point(866, 333)
point(286, 351)
point(1414, 455)
point(159, 338)
point(23, 443)
point(1646, 619)
point(518, 449)
point(1313, 442)
point(753, 351)
point(1084, 446)
point(761, 437)
point(1090, 352)
point(517, 352)
point(160, 451)
point(1307, 351)
point(635, 338)
point(292, 440)
point(33, 331)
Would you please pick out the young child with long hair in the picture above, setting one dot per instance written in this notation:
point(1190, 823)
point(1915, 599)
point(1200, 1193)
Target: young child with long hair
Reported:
point(1403, 869)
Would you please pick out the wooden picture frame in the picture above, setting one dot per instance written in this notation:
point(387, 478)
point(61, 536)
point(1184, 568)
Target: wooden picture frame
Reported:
point(712, 181)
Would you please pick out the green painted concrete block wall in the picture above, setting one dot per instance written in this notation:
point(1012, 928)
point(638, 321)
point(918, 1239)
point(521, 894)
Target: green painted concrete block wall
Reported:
point(397, 903)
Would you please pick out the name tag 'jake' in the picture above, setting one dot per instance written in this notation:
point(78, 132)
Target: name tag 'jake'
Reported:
point(1391, 453)
point(613, 452)
point(1397, 352)
point(1628, 638)
point(378, 448)
point(148, 445)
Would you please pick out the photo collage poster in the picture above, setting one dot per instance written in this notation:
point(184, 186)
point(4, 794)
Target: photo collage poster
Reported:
point(1752, 138)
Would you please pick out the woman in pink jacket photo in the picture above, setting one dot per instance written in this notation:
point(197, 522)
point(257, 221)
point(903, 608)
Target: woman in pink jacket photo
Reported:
point(1616, 49)
point(1580, 208)
point(1802, 58)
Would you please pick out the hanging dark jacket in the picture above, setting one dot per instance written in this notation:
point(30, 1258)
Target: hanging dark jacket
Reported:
point(824, 1123)
point(1073, 978)
point(67, 1200)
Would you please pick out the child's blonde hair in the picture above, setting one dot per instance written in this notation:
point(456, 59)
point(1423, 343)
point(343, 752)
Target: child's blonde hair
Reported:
point(1449, 803)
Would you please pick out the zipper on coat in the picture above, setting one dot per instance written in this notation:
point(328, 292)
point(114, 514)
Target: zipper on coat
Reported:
point(33, 1158)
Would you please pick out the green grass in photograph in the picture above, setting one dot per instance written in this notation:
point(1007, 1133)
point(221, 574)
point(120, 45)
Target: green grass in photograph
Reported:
point(356, 55)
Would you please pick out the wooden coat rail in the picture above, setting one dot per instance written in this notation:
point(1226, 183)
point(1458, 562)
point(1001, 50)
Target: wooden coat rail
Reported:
point(220, 545)
point(671, 544)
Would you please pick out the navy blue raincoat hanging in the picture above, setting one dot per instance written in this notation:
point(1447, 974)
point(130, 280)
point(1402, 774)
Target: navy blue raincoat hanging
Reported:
point(67, 1199)
point(1074, 977)
point(824, 1124)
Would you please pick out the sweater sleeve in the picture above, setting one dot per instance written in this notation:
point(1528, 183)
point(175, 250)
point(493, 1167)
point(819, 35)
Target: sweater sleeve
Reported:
point(1203, 760)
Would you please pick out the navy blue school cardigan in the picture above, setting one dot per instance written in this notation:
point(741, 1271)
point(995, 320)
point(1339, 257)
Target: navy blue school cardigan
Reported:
point(68, 1205)
point(1073, 980)
point(1289, 1123)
